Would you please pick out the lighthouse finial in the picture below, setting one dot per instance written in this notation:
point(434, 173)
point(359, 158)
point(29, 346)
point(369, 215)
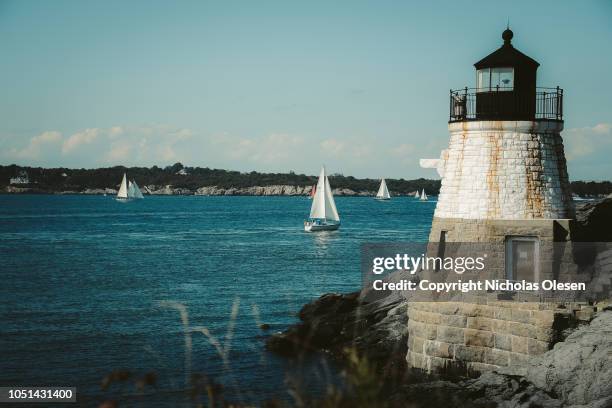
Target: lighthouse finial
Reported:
point(507, 34)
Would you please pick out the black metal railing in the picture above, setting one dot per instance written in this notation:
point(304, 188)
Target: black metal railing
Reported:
point(502, 104)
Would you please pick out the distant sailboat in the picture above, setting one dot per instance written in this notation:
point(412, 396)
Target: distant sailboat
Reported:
point(134, 190)
point(423, 196)
point(383, 191)
point(128, 190)
point(122, 194)
point(323, 213)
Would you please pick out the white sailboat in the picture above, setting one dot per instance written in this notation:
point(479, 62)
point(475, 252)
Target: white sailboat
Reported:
point(323, 213)
point(383, 191)
point(134, 190)
point(423, 196)
point(122, 194)
point(128, 190)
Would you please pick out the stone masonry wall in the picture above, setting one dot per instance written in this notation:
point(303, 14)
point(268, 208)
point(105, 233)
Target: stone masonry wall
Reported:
point(504, 170)
point(473, 338)
point(496, 231)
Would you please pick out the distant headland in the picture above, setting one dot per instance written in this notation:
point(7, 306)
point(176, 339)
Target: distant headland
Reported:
point(178, 179)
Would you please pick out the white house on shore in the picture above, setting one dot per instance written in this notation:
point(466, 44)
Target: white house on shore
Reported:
point(21, 178)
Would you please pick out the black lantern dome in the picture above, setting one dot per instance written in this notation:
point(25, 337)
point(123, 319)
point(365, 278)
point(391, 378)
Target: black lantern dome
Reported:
point(505, 89)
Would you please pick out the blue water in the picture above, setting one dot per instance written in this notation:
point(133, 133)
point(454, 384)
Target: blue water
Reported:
point(84, 279)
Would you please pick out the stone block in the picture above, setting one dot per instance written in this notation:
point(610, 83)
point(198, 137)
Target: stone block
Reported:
point(497, 357)
point(478, 338)
point(499, 326)
point(544, 333)
point(415, 344)
point(415, 327)
point(542, 317)
point(420, 329)
point(480, 323)
point(430, 331)
point(502, 341)
point(436, 364)
point(416, 360)
point(422, 316)
point(477, 310)
point(519, 345)
point(502, 313)
point(453, 320)
point(520, 315)
point(449, 308)
point(467, 353)
point(436, 348)
point(536, 347)
point(521, 329)
point(450, 334)
point(526, 305)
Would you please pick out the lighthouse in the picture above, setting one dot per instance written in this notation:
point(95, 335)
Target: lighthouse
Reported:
point(504, 174)
point(504, 190)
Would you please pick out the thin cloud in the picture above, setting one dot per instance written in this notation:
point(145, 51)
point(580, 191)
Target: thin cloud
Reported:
point(86, 136)
point(38, 146)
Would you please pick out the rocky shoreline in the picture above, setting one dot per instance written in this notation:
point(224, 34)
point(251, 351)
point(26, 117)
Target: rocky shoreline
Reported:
point(273, 190)
point(576, 372)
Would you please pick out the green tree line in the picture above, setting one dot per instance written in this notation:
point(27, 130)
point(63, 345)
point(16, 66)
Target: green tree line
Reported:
point(177, 175)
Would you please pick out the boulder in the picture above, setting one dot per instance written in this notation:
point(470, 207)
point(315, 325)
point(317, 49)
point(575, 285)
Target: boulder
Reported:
point(376, 326)
point(578, 370)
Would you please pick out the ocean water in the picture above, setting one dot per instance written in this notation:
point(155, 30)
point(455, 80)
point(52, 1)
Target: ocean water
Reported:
point(91, 285)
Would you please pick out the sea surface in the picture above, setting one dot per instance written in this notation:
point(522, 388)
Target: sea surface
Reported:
point(90, 286)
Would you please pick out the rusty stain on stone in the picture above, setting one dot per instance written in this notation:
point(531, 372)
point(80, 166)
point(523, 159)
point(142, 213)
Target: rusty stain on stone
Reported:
point(492, 179)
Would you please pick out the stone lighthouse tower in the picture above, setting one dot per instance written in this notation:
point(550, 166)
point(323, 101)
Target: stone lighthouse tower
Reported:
point(505, 188)
point(504, 175)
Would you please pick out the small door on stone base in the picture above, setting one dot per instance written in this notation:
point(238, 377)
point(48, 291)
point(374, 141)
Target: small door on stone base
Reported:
point(522, 258)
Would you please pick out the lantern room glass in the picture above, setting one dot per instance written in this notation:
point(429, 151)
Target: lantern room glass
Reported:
point(494, 79)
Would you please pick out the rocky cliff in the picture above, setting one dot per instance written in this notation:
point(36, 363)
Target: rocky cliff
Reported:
point(273, 190)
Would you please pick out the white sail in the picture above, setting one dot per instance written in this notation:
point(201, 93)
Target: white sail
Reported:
point(383, 191)
point(323, 205)
point(423, 195)
point(136, 190)
point(317, 209)
point(331, 212)
point(123, 190)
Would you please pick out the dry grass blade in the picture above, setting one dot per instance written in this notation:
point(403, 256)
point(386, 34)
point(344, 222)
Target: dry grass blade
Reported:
point(182, 309)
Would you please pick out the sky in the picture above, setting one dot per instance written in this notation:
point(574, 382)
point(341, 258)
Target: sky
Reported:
point(278, 86)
